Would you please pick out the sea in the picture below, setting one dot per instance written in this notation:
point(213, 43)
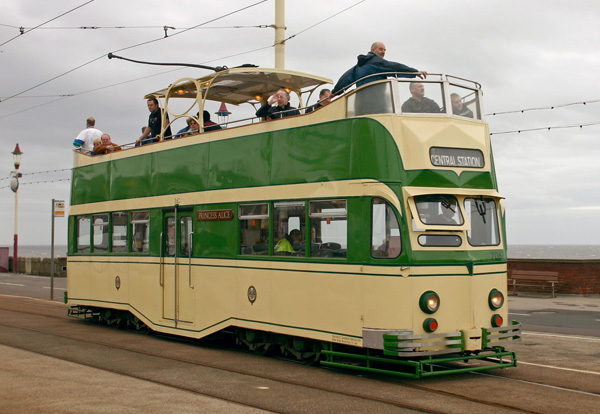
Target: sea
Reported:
point(515, 251)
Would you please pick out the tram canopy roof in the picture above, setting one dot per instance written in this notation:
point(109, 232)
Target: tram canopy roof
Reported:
point(240, 85)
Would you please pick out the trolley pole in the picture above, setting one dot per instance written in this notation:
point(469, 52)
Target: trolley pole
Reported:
point(280, 34)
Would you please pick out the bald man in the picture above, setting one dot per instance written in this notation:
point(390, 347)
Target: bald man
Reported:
point(372, 64)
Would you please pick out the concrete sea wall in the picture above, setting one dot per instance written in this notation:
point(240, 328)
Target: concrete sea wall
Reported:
point(579, 277)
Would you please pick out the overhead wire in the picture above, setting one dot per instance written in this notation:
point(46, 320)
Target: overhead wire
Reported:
point(261, 26)
point(38, 182)
point(322, 21)
point(23, 31)
point(131, 47)
point(543, 108)
point(191, 28)
point(579, 125)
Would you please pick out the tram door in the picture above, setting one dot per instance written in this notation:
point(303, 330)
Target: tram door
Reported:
point(176, 267)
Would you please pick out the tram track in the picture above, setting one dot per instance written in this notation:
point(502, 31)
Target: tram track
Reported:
point(424, 387)
point(389, 402)
point(270, 378)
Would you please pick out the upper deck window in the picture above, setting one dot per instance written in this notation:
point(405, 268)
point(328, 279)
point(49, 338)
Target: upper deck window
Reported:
point(422, 97)
point(376, 98)
point(464, 102)
point(446, 95)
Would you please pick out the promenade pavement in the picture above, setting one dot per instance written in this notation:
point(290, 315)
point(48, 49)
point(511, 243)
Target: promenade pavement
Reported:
point(560, 302)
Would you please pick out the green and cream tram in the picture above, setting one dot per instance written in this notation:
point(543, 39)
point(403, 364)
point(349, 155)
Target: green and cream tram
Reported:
point(398, 263)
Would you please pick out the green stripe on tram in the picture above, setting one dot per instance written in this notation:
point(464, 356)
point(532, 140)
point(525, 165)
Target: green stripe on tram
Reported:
point(339, 150)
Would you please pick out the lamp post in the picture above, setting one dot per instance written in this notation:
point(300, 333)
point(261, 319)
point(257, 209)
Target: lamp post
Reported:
point(14, 186)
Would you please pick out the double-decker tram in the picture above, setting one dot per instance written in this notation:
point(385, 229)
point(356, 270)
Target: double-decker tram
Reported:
point(362, 235)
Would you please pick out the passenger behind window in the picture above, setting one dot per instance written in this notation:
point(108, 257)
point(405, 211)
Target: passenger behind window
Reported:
point(286, 245)
point(458, 107)
point(418, 103)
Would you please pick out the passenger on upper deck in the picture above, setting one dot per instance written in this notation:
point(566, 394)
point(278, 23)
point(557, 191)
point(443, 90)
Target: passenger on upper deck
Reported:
point(191, 128)
point(208, 124)
point(152, 131)
point(418, 102)
point(106, 145)
point(458, 108)
point(85, 139)
point(324, 99)
point(371, 64)
point(282, 97)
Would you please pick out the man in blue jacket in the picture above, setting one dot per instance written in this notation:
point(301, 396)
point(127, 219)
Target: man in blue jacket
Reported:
point(371, 64)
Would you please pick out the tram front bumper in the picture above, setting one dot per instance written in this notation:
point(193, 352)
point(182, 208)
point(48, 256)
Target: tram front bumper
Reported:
point(404, 343)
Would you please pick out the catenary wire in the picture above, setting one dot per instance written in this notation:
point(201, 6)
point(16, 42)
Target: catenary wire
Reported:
point(518, 131)
point(131, 47)
point(543, 108)
point(48, 21)
point(38, 182)
point(322, 21)
point(191, 28)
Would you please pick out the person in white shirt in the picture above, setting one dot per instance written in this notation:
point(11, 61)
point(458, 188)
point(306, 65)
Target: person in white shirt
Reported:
point(85, 139)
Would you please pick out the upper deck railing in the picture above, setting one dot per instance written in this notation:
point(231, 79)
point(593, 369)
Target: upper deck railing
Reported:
point(438, 95)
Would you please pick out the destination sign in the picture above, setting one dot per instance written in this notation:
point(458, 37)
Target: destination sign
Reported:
point(215, 215)
point(456, 157)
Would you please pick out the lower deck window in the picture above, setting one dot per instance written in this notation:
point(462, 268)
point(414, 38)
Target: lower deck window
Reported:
point(254, 229)
point(385, 231)
point(83, 234)
point(289, 228)
point(119, 232)
point(140, 221)
point(329, 228)
point(100, 233)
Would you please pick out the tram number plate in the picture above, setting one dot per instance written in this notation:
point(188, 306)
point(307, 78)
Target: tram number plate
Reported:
point(497, 256)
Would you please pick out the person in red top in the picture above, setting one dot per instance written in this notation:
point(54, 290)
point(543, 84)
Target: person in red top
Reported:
point(106, 145)
point(208, 124)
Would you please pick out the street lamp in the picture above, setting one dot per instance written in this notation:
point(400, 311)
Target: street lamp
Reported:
point(14, 186)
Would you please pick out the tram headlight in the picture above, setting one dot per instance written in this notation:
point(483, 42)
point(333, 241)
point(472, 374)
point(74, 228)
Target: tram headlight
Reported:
point(429, 302)
point(495, 299)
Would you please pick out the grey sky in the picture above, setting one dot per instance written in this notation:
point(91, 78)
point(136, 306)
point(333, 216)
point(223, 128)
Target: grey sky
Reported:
point(525, 54)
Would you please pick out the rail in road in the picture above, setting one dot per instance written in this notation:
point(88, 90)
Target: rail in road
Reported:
point(545, 381)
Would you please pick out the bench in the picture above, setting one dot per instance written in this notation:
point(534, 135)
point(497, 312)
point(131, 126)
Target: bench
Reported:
point(532, 278)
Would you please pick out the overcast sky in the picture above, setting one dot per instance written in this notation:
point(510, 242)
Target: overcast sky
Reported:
point(525, 54)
